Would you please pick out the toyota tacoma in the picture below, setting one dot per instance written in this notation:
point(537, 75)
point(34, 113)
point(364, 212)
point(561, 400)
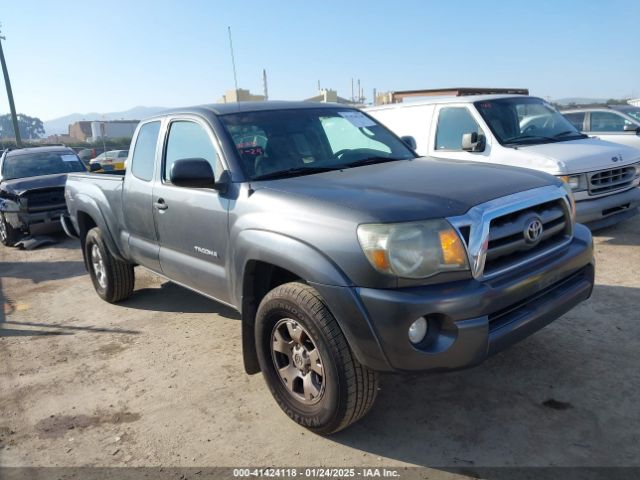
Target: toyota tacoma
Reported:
point(345, 254)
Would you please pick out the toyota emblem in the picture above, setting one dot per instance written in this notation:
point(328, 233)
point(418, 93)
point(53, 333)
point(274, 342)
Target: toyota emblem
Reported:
point(533, 230)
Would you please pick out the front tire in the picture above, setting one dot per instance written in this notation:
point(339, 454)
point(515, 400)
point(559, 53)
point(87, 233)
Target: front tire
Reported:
point(8, 235)
point(113, 279)
point(307, 363)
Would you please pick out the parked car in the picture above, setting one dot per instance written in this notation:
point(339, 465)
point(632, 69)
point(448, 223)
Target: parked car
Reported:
point(614, 123)
point(32, 188)
point(87, 154)
point(111, 160)
point(345, 254)
point(526, 132)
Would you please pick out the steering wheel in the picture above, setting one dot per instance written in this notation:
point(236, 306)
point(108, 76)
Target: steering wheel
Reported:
point(339, 153)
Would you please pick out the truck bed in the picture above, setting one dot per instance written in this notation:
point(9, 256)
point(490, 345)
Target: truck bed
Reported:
point(104, 190)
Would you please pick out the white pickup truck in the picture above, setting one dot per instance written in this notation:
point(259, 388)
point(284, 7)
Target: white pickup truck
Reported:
point(524, 131)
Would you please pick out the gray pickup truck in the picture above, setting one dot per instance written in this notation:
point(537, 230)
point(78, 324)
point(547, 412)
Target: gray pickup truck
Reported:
point(345, 254)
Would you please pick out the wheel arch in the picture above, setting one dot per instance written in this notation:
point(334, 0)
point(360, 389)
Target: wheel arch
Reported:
point(266, 260)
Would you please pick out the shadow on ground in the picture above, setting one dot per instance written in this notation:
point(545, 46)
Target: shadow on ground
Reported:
point(42, 271)
point(564, 396)
point(170, 297)
point(625, 233)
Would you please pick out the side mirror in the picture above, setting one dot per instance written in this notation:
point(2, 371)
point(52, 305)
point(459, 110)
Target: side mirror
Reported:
point(94, 167)
point(631, 128)
point(192, 173)
point(409, 141)
point(472, 142)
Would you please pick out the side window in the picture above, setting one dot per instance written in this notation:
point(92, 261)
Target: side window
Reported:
point(576, 119)
point(144, 152)
point(607, 122)
point(453, 122)
point(189, 140)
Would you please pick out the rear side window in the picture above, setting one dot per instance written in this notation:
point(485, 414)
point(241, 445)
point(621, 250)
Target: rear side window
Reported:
point(576, 119)
point(144, 152)
point(453, 122)
point(189, 140)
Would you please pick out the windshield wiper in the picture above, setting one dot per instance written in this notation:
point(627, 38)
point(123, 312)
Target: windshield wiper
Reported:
point(371, 161)
point(293, 172)
point(568, 132)
point(514, 140)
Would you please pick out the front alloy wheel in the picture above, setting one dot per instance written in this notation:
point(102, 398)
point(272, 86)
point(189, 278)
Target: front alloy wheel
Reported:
point(298, 361)
point(307, 363)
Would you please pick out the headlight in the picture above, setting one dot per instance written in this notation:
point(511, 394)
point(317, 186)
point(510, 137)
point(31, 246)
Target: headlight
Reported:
point(576, 182)
point(414, 249)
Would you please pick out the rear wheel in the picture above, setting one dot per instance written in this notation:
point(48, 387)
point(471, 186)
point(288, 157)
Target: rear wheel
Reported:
point(307, 363)
point(8, 235)
point(113, 279)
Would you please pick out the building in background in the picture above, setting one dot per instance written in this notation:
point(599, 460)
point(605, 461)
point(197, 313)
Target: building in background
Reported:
point(80, 131)
point(240, 95)
point(94, 130)
point(635, 102)
point(326, 95)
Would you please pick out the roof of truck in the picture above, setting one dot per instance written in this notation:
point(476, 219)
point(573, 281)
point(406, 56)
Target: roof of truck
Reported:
point(243, 107)
point(444, 99)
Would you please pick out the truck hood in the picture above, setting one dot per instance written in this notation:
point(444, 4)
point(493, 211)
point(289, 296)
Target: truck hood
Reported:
point(408, 190)
point(18, 186)
point(573, 156)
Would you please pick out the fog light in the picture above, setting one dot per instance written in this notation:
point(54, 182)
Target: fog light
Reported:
point(418, 330)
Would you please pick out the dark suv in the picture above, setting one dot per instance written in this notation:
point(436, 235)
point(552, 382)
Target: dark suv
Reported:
point(32, 184)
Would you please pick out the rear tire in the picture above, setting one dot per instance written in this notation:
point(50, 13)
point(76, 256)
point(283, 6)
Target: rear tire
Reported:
point(113, 279)
point(307, 363)
point(8, 235)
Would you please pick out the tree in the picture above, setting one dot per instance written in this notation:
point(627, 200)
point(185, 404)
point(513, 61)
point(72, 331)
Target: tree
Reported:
point(30, 127)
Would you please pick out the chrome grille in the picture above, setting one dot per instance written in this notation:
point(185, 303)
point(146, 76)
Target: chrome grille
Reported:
point(614, 179)
point(507, 244)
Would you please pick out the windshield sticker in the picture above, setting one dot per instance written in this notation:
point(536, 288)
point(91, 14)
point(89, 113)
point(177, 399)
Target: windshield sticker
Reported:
point(69, 158)
point(358, 119)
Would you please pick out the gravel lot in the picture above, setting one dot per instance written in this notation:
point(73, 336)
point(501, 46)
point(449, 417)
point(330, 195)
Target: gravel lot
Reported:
point(158, 380)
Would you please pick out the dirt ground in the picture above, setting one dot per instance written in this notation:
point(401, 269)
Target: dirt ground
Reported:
point(158, 380)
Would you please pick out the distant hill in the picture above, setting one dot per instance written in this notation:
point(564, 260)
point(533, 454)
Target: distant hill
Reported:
point(61, 125)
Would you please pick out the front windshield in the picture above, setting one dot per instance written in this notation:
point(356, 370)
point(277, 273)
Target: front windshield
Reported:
point(36, 164)
point(525, 121)
point(633, 112)
point(279, 143)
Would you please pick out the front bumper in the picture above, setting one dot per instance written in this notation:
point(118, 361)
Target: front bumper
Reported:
point(609, 210)
point(24, 221)
point(470, 320)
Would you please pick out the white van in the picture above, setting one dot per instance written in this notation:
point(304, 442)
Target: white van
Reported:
point(525, 132)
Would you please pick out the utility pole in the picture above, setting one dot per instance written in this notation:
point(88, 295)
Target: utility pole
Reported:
point(264, 84)
point(12, 107)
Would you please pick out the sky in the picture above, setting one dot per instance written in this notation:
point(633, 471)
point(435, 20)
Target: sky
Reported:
point(72, 56)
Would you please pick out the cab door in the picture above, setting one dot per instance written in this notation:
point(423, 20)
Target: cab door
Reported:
point(192, 222)
point(137, 198)
point(450, 123)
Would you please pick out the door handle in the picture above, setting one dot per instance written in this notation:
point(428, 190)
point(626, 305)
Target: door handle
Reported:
point(160, 204)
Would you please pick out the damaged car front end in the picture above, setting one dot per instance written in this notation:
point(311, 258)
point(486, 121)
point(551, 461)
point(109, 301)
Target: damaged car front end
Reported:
point(32, 190)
